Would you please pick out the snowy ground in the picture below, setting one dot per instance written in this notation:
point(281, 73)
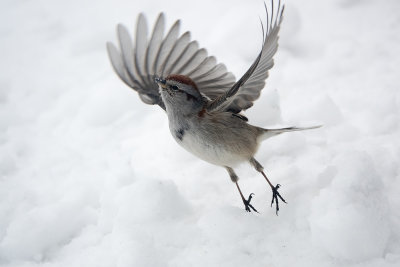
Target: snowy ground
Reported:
point(90, 176)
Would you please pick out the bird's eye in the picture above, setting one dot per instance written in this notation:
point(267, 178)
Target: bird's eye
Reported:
point(174, 87)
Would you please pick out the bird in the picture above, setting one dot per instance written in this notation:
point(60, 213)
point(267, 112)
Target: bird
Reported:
point(202, 100)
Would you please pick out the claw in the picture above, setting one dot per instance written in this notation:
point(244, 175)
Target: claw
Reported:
point(247, 204)
point(275, 195)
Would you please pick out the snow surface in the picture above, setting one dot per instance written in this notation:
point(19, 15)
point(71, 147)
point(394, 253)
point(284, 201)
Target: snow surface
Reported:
point(90, 176)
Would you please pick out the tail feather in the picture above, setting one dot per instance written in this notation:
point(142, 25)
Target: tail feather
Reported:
point(267, 133)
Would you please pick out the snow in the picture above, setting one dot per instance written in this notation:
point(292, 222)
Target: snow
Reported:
point(90, 176)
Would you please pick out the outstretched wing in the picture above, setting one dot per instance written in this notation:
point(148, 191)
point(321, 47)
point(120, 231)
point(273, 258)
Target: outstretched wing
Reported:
point(245, 91)
point(164, 55)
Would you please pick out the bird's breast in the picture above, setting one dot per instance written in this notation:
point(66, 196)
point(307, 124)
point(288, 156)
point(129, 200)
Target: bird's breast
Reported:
point(207, 146)
point(179, 134)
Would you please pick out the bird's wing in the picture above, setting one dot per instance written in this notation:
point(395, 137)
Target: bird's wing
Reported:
point(137, 65)
point(246, 90)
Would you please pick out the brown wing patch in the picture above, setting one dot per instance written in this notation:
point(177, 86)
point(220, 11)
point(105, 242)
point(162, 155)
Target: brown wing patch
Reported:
point(201, 113)
point(182, 79)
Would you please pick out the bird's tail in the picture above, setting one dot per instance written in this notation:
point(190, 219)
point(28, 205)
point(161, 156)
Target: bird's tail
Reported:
point(267, 133)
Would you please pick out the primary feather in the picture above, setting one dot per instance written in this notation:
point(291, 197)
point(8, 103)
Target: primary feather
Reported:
point(173, 54)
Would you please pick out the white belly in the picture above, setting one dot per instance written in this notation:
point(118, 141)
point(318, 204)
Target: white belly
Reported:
point(211, 152)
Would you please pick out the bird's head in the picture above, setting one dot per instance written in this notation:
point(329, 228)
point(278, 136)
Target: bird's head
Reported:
point(180, 93)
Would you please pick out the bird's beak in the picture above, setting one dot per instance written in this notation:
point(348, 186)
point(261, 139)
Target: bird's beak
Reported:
point(161, 82)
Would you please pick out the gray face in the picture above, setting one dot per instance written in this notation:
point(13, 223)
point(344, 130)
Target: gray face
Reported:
point(180, 97)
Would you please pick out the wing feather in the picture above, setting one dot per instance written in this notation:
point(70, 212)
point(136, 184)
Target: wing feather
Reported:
point(248, 89)
point(140, 48)
point(118, 65)
point(161, 55)
point(187, 54)
point(176, 52)
point(166, 46)
point(207, 65)
point(155, 43)
point(195, 62)
point(125, 44)
point(138, 65)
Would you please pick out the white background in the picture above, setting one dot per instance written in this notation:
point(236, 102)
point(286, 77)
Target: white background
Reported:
point(90, 176)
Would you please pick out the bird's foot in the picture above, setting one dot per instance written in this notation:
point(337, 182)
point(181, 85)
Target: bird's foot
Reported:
point(275, 196)
point(247, 204)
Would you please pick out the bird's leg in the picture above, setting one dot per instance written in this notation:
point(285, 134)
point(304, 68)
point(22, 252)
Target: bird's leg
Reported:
point(248, 207)
point(275, 193)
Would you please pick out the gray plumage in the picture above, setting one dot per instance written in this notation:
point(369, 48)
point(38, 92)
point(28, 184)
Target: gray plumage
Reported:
point(173, 54)
point(201, 98)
